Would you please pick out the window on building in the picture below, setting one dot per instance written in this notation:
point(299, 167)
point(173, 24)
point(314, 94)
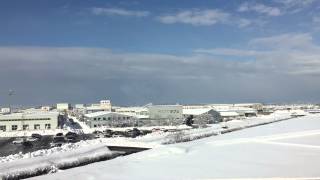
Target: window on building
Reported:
point(37, 126)
point(25, 127)
point(47, 126)
point(3, 128)
point(119, 118)
point(95, 125)
point(124, 118)
point(14, 127)
point(109, 118)
point(99, 118)
point(104, 118)
point(94, 118)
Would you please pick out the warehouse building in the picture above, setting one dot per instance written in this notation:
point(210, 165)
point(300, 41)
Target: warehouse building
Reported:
point(29, 121)
point(110, 119)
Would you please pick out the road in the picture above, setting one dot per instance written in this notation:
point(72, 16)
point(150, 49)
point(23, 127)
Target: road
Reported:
point(8, 148)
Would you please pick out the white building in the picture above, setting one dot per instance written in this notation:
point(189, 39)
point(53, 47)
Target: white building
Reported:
point(139, 112)
point(63, 106)
point(229, 115)
point(46, 108)
point(79, 106)
point(165, 112)
point(5, 110)
point(29, 121)
point(105, 105)
point(111, 119)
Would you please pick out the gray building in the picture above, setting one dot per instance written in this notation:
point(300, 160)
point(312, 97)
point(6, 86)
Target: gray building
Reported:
point(109, 119)
point(203, 115)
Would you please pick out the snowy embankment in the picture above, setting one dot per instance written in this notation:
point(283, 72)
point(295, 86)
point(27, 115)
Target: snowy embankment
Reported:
point(73, 153)
point(288, 149)
point(158, 138)
point(51, 160)
point(216, 129)
point(29, 133)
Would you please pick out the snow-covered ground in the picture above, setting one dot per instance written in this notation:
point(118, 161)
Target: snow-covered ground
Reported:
point(154, 140)
point(52, 160)
point(29, 133)
point(287, 149)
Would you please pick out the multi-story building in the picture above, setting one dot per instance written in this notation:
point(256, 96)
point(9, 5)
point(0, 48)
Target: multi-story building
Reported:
point(110, 119)
point(63, 106)
point(29, 121)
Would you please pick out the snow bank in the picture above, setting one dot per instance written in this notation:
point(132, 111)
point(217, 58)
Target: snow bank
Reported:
point(41, 164)
point(238, 155)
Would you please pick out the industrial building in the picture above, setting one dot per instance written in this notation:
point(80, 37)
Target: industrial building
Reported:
point(104, 105)
point(139, 112)
point(29, 121)
point(165, 112)
point(63, 106)
point(111, 119)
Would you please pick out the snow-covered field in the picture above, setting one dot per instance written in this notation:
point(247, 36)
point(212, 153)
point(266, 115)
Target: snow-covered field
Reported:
point(154, 140)
point(287, 149)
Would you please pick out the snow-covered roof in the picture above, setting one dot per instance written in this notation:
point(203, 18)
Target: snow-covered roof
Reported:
point(228, 113)
point(29, 115)
point(102, 113)
point(196, 111)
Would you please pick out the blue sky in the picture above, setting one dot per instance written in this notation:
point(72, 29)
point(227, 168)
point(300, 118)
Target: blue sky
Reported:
point(136, 52)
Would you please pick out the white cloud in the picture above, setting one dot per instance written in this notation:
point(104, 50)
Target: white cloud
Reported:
point(196, 17)
point(244, 22)
point(295, 3)
point(119, 12)
point(285, 41)
point(294, 6)
point(285, 54)
point(259, 8)
point(78, 73)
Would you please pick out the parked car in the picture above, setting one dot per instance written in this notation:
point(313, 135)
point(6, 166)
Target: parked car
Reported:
point(71, 134)
point(71, 137)
point(38, 136)
point(18, 141)
point(118, 134)
point(58, 141)
point(108, 133)
point(133, 133)
point(98, 134)
point(31, 139)
point(59, 134)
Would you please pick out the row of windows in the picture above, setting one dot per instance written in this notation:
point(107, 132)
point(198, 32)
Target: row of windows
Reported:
point(113, 118)
point(24, 127)
point(34, 119)
point(169, 111)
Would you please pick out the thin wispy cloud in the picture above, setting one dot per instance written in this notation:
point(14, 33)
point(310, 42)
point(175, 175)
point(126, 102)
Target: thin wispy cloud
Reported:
point(294, 6)
point(259, 8)
point(287, 53)
point(196, 17)
point(118, 12)
point(205, 17)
